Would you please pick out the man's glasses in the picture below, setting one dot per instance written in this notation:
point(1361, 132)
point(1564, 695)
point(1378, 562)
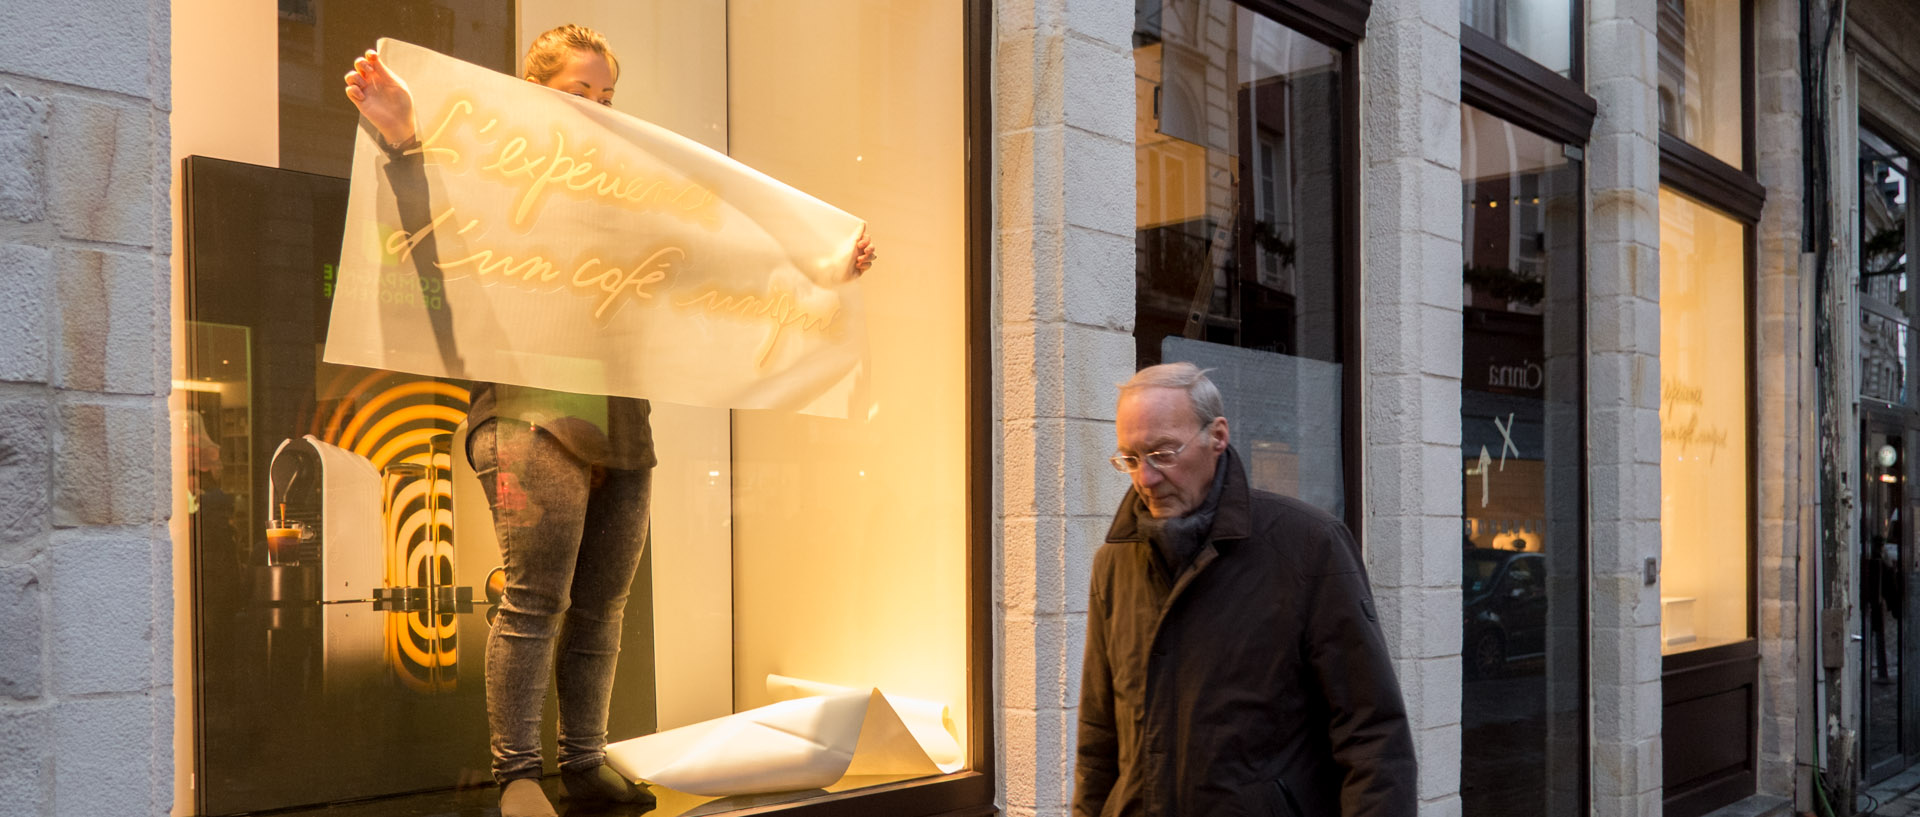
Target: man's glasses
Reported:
point(1160, 460)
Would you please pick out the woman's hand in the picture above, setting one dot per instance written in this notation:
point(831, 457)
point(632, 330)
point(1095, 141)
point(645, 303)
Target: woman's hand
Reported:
point(382, 98)
point(863, 255)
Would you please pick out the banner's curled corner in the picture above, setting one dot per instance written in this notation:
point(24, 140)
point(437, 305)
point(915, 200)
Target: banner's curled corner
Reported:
point(801, 743)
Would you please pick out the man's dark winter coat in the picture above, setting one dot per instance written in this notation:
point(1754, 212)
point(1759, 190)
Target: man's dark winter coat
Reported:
point(1255, 682)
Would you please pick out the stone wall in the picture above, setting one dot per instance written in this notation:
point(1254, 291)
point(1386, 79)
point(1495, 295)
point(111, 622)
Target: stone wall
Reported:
point(1411, 334)
point(86, 695)
point(1782, 378)
point(1623, 376)
point(1063, 270)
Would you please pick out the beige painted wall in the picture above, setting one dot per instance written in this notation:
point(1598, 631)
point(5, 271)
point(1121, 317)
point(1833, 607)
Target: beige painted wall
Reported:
point(850, 535)
point(226, 94)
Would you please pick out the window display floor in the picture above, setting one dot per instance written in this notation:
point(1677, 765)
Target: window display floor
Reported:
point(484, 801)
point(477, 801)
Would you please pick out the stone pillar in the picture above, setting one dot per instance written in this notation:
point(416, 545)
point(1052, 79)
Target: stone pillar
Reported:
point(1063, 269)
point(1623, 318)
point(86, 696)
point(1411, 327)
point(1784, 432)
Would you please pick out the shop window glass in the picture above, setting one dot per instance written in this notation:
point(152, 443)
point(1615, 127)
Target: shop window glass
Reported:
point(341, 548)
point(1542, 30)
point(1239, 229)
point(1703, 427)
point(320, 38)
point(1701, 97)
point(1521, 431)
point(1886, 304)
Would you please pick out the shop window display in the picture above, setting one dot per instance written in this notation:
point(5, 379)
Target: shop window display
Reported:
point(346, 567)
point(1521, 429)
point(1240, 229)
point(1705, 581)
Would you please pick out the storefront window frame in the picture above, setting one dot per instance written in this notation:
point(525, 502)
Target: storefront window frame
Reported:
point(1507, 85)
point(1734, 191)
point(1340, 25)
point(969, 792)
point(1510, 86)
point(1741, 656)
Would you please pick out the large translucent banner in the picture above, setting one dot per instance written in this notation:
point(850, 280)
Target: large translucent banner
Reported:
point(538, 239)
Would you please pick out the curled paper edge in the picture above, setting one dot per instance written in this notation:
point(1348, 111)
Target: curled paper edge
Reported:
point(817, 734)
point(928, 722)
point(803, 743)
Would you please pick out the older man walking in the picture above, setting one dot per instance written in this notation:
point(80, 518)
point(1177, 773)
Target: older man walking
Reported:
point(1234, 663)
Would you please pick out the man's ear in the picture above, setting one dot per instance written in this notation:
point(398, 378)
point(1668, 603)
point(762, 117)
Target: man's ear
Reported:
point(1219, 434)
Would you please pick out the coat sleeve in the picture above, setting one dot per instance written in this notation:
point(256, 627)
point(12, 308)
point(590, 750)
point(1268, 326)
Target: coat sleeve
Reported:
point(405, 174)
point(1097, 764)
point(1372, 742)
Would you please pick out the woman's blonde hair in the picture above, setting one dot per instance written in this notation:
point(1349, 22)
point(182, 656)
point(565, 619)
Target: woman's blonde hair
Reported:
point(551, 50)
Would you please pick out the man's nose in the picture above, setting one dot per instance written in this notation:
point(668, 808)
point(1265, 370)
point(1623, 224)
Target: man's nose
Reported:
point(1146, 476)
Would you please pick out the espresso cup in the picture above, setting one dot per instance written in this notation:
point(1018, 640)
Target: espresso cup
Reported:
point(283, 546)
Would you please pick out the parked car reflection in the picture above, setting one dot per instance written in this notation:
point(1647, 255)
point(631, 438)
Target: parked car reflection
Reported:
point(1505, 609)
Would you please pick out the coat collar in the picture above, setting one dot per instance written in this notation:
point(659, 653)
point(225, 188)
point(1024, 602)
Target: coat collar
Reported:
point(1232, 520)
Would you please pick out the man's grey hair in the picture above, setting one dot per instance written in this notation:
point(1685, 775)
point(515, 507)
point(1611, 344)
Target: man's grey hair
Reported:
point(1201, 393)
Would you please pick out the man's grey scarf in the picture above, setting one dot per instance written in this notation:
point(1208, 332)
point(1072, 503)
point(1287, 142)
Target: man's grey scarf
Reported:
point(1176, 540)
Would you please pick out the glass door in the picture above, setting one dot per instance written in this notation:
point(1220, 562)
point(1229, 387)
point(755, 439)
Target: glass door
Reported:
point(1885, 561)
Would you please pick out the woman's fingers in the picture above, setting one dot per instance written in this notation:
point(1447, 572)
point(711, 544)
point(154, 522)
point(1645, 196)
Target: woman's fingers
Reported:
point(378, 66)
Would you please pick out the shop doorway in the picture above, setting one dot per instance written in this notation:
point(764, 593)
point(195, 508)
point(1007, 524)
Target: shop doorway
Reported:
point(1891, 731)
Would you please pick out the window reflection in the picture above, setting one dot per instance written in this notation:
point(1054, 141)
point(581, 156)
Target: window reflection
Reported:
point(1700, 93)
point(1238, 228)
point(1883, 535)
point(1883, 223)
point(1540, 29)
point(320, 39)
point(1521, 434)
point(1887, 303)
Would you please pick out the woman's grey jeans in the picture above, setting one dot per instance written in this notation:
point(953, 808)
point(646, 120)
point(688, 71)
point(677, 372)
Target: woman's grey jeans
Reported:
point(571, 537)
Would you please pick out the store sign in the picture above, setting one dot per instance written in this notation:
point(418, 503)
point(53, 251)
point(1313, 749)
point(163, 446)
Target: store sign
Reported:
point(538, 239)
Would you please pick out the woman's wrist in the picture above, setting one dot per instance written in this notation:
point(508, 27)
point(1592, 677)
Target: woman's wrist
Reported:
point(398, 141)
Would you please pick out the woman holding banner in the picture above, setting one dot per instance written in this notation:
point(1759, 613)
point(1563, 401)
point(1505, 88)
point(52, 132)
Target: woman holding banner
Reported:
point(568, 478)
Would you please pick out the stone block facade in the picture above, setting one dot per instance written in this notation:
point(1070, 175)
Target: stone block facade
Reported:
point(86, 695)
point(1063, 316)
